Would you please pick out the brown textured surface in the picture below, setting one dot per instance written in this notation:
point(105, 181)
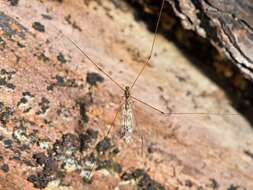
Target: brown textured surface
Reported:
point(219, 38)
point(227, 23)
point(43, 131)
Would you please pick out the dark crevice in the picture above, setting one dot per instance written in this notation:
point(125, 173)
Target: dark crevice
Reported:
point(199, 50)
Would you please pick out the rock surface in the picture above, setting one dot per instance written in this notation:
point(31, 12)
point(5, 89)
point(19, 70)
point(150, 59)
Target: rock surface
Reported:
point(56, 106)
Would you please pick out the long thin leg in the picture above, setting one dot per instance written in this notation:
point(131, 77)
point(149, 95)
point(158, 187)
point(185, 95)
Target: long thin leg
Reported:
point(148, 105)
point(88, 57)
point(152, 46)
point(93, 62)
point(106, 135)
point(141, 136)
point(183, 113)
point(114, 119)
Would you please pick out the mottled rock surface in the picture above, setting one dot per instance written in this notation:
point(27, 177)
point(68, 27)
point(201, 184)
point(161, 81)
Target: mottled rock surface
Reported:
point(55, 106)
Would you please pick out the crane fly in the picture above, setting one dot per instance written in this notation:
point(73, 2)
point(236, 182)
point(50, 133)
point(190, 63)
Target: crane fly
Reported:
point(125, 110)
point(127, 116)
point(126, 105)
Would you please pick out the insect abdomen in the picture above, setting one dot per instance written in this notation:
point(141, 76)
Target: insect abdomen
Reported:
point(127, 122)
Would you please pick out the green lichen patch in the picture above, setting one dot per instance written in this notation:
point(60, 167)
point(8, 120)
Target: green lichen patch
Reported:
point(66, 151)
point(75, 153)
point(13, 2)
point(61, 81)
point(102, 159)
point(38, 26)
point(68, 145)
point(44, 106)
point(61, 58)
point(88, 138)
point(142, 179)
point(28, 94)
point(5, 78)
point(23, 134)
point(63, 111)
point(60, 159)
point(235, 187)
point(213, 184)
point(5, 113)
point(48, 172)
point(65, 82)
point(1, 136)
point(69, 20)
point(42, 57)
point(48, 163)
point(40, 180)
point(5, 168)
point(46, 16)
point(44, 143)
point(7, 143)
point(83, 105)
point(20, 135)
point(7, 24)
point(2, 43)
point(50, 87)
point(109, 165)
point(93, 78)
point(103, 145)
point(24, 102)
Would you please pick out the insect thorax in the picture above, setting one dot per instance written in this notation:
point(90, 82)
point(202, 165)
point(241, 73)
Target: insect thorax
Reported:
point(127, 92)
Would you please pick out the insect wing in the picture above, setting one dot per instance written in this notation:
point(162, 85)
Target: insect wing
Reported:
point(127, 121)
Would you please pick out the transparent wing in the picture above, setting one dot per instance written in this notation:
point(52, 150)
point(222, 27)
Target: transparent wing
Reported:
point(127, 121)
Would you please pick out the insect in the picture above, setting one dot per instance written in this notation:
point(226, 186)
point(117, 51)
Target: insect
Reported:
point(127, 116)
point(127, 120)
point(125, 110)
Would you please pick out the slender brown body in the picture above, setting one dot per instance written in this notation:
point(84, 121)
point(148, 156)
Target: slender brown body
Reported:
point(127, 119)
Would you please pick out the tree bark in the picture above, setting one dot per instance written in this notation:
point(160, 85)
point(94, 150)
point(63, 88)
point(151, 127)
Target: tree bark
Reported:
point(227, 24)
